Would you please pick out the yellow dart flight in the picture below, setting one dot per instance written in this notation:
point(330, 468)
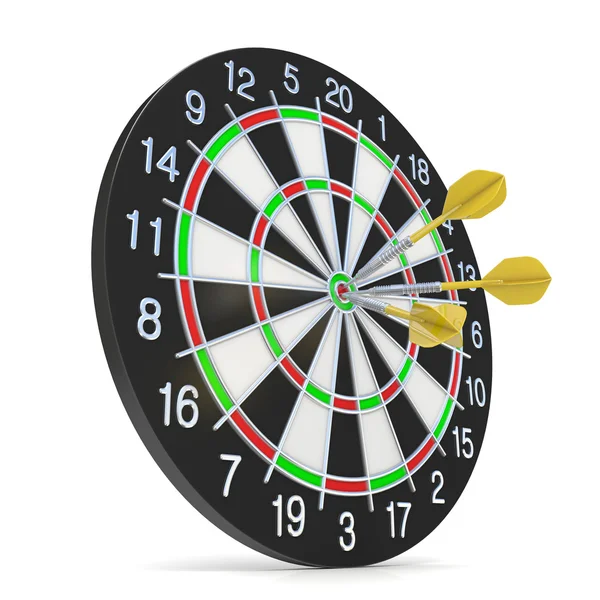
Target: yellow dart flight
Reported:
point(471, 197)
point(428, 325)
point(519, 280)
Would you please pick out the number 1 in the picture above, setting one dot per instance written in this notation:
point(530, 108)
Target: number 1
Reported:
point(382, 119)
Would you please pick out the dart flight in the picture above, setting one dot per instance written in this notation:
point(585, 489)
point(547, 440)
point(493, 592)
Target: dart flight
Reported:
point(429, 325)
point(471, 197)
point(520, 280)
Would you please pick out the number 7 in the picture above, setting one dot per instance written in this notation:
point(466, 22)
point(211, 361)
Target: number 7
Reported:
point(235, 459)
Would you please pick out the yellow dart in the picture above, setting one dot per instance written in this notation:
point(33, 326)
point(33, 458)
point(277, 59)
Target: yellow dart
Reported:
point(471, 197)
point(428, 325)
point(520, 280)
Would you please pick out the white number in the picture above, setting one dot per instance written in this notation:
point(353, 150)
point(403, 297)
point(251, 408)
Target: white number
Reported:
point(244, 85)
point(461, 436)
point(152, 317)
point(289, 74)
point(420, 169)
point(349, 529)
point(297, 519)
point(476, 335)
point(133, 217)
point(157, 227)
point(391, 508)
point(166, 163)
point(476, 390)
point(448, 225)
point(382, 119)
point(149, 143)
point(468, 271)
point(235, 459)
point(343, 93)
point(182, 402)
point(191, 98)
point(437, 475)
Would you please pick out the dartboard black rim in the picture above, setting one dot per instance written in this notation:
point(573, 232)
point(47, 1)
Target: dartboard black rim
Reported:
point(298, 476)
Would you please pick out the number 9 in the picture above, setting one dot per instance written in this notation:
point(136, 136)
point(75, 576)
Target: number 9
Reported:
point(200, 110)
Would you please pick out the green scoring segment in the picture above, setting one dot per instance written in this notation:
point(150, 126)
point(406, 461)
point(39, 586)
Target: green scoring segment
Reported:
point(191, 196)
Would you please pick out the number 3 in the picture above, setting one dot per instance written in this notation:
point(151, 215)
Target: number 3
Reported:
point(349, 529)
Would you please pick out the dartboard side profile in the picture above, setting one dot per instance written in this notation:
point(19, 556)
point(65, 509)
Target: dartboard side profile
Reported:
point(237, 206)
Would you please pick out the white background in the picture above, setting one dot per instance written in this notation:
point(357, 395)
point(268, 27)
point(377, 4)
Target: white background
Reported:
point(509, 87)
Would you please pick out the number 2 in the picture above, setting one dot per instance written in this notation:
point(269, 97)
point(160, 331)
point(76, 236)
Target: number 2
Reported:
point(437, 476)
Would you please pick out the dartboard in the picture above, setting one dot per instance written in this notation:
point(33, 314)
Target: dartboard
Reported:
point(236, 207)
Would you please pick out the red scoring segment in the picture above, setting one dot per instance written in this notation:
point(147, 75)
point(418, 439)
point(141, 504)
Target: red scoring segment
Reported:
point(265, 115)
point(188, 309)
point(190, 198)
point(186, 293)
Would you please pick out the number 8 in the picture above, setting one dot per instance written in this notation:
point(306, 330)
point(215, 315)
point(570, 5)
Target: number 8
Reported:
point(152, 317)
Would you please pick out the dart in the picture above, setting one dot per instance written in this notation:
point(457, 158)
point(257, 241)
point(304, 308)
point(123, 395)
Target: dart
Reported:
point(429, 325)
point(471, 197)
point(520, 280)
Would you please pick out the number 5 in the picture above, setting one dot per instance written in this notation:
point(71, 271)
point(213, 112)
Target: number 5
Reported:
point(289, 74)
point(235, 459)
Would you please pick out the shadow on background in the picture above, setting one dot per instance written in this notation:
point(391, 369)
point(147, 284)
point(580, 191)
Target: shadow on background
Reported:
point(261, 564)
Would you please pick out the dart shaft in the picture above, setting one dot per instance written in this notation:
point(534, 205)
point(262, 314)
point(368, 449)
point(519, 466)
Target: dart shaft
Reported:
point(381, 307)
point(383, 259)
point(421, 233)
point(464, 285)
point(405, 289)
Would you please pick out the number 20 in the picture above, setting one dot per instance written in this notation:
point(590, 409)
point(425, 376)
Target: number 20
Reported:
point(342, 92)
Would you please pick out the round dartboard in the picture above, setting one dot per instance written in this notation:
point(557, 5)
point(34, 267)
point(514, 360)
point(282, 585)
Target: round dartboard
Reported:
point(237, 205)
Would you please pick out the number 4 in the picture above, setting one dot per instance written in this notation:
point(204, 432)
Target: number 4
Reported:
point(235, 460)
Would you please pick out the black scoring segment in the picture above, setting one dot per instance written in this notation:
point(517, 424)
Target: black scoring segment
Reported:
point(216, 417)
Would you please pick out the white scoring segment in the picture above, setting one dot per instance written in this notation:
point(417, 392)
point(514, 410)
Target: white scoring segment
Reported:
point(361, 221)
point(305, 441)
point(241, 165)
point(306, 143)
point(241, 360)
point(243, 168)
point(362, 375)
point(426, 395)
point(391, 352)
point(381, 446)
point(371, 179)
point(217, 254)
point(279, 271)
point(289, 328)
point(371, 176)
point(322, 373)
